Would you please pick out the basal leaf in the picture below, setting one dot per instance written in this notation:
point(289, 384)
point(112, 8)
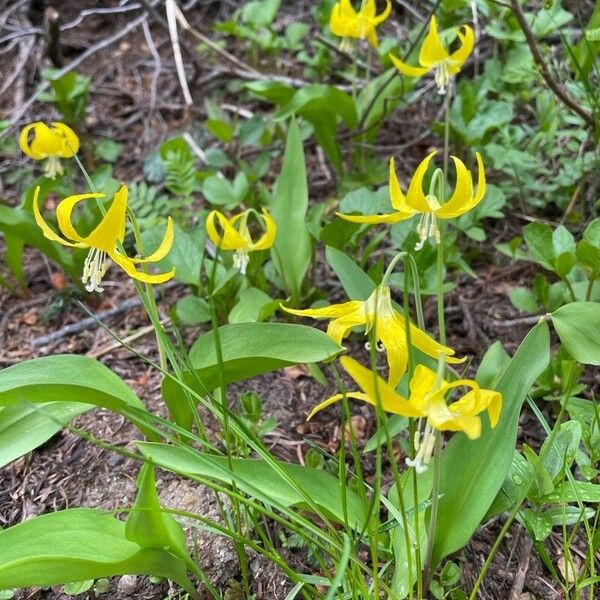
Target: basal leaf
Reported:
point(473, 470)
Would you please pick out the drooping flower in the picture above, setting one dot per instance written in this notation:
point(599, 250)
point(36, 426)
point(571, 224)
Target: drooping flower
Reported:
point(378, 314)
point(433, 56)
point(104, 240)
point(429, 206)
point(426, 400)
point(347, 23)
point(49, 144)
point(236, 234)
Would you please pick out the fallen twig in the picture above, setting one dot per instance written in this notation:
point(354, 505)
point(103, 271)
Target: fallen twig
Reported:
point(90, 322)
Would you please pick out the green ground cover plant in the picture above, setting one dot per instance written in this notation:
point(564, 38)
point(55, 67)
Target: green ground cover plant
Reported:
point(385, 518)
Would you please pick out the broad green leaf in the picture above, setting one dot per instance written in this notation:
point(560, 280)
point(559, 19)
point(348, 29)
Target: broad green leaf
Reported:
point(356, 283)
point(538, 237)
point(561, 453)
point(492, 365)
point(320, 98)
point(24, 427)
point(248, 349)
point(292, 249)
point(542, 482)
point(258, 479)
point(592, 232)
point(523, 299)
point(192, 310)
point(472, 471)
point(575, 491)
point(70, 378)
point(577, 325)
point(75, 545)
point(19, 223)
point(249, 305)
point(276, 92)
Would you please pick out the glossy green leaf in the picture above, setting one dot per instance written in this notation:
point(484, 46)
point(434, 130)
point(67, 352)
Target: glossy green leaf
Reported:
point(70, 378)
point(356, 283)
point(577, 325)
point(492, 365)
point(75, 545)
point(538, 237)
point(473, 470)
point(258, 479)
point(19, 223)
point(292, 249)
point(321, 98)
point(249, 305)
point(24, 427)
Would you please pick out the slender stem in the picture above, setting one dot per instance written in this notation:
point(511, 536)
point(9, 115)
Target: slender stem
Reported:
point(590, 286)
point(571, 290)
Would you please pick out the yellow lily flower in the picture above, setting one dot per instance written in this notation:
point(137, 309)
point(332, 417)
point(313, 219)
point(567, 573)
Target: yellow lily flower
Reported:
point(347, 23)
point(236, 235)
point(433, 55)
point(429, 206)
point(50, 144)
point(378, 314)
point(104, 240)
point(426, 400)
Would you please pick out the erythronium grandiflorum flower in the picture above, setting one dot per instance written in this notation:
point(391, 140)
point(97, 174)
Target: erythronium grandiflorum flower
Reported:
point(104, 240)
point(50, 144)
point(378, 314)
point(426, 400)
point(428, 206)
point(236, 235)
point(433, 55)
point(347, 23)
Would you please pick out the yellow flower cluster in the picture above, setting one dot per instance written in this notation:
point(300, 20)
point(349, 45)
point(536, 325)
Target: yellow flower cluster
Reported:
point(105, 241)
point(429, 399)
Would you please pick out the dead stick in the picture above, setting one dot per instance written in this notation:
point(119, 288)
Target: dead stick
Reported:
point(90, 322)
point(554, 85)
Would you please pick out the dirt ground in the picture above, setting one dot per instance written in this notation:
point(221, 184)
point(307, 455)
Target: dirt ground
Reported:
point(68, 471)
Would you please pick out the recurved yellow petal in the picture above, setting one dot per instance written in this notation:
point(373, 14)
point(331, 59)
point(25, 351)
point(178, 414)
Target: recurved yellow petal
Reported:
point(46, 229)
point(392, 333)
point(129, 267)
point(230, 239)
point(268, 237)
point(432, 51)
point(333, 311)
point(380, 18)
point(429, 346)
point(63, 215)
point(415, 197)
point(164, 247)
point(70, 141)
point(26, 146)
point(376, 388)
point(463, 193)
point(339, 328)
point(408, 70)
point(441, 418)
point(460, 56)
point(376, 219)
point(111, 229)
point(337, 398)
point(397, 197)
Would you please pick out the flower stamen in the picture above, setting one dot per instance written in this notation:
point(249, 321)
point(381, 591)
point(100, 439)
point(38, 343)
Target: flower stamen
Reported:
point(94, 270)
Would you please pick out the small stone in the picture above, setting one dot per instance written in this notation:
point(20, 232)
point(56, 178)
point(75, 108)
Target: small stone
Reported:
point(127, 586)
